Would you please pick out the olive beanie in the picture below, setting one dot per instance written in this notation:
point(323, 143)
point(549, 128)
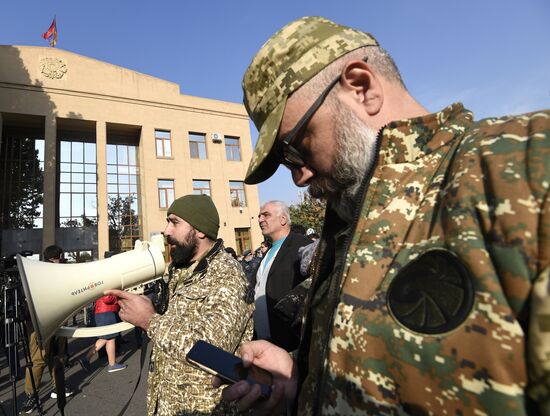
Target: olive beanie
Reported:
point(199, 211)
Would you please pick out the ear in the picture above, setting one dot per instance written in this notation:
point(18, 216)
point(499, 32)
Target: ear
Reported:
point(283, 220)
point(200, 234)
point(360, 84)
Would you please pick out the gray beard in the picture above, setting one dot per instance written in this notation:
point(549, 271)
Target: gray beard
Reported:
point(355, 148)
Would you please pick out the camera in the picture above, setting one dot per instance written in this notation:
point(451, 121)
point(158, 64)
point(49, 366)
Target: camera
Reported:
point(9, 274)
point(12, 299)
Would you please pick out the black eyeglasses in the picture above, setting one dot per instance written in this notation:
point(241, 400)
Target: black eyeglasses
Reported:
point(291, 157)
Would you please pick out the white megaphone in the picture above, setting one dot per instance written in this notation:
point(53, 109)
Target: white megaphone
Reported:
point(55, 292)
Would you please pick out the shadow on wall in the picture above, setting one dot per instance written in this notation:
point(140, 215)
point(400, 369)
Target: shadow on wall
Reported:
point(22, 154)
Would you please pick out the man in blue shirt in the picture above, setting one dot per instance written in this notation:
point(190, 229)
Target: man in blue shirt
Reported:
point(278, 274)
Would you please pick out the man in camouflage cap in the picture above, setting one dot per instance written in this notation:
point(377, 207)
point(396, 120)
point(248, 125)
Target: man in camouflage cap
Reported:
point(430, 287)
point(207, 300)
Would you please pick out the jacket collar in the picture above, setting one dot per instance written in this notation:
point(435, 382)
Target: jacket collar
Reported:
point(410, 139)
point(206, 258)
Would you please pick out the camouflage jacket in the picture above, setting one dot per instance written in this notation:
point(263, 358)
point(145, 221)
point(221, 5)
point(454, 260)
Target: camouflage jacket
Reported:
point(206, 302)
point(434, 297)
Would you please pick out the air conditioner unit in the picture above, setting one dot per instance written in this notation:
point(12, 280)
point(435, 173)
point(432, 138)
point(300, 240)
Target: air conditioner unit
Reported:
point(217, 137)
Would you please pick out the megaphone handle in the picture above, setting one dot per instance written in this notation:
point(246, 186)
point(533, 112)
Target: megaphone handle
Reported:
point(76, 332)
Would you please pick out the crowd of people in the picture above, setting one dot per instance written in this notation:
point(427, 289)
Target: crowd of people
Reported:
point(427, 290)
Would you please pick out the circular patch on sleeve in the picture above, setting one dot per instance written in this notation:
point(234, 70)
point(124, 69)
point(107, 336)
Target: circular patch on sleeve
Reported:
point(433, 294)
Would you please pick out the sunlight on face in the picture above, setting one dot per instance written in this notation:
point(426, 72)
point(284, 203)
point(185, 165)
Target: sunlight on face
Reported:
point(355, 146)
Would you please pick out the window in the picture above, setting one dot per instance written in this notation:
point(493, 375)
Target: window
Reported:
point(166, 192)
point(201, 187)
point(242, 240)
point(236, 192)
point(123, 196)
point(77, 184)
point(197, 145)
point(21, 180)
point(162, 140)
point(232, 149)
point(79, 256)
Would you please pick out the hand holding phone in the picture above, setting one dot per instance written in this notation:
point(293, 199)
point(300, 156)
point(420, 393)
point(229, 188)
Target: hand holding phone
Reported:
point(228, 367)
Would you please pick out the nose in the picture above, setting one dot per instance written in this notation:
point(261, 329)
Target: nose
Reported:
point(166, 231)
point(302, 175)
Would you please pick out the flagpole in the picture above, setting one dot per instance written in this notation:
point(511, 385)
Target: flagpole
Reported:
point(53, 42)
point(51, 33)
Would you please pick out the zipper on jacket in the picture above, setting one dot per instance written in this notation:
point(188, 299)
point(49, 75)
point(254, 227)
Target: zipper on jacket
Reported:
point(335, 287)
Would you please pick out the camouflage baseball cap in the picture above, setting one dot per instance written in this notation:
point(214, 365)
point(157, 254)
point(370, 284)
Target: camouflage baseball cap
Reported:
point(289, 59)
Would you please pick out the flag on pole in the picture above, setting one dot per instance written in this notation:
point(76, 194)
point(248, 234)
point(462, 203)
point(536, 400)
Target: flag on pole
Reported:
point(51, 34)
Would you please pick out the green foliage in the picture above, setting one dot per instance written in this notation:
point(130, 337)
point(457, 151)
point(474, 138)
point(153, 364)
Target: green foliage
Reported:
point(124, 226)
point(309, 212)
point(79, 256)
point(82, 222)
point(21, 200)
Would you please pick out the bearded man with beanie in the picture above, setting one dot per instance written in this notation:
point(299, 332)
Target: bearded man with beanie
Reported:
point(207, 301)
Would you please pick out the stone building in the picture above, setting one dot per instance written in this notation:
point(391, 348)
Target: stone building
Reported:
point(92, 154)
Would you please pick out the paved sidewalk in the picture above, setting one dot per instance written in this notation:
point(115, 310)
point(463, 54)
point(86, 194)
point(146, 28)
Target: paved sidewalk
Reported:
point(97, 393)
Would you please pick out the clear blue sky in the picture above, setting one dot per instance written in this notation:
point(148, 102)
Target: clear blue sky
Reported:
point(493, 55)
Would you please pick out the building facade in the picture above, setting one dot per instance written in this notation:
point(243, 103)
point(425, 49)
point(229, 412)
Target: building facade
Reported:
point(92, 155)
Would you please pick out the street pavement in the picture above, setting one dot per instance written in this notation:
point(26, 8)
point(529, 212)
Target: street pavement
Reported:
point(97, 393)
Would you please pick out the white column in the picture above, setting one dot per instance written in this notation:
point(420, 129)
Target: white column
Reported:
point(50, 178)
point(102, 215)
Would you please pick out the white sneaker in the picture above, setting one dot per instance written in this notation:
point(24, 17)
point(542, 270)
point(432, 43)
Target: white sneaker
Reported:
point(68, 392)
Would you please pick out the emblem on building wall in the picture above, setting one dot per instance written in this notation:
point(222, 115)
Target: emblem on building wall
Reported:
point(53, 68)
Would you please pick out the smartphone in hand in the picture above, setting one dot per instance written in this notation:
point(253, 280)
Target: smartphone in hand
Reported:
point(228, 367)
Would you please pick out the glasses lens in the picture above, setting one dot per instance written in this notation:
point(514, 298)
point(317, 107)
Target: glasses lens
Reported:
point(292, 159)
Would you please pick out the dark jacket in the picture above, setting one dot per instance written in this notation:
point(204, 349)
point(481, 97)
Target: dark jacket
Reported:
point(250, 268)
point(283, 276)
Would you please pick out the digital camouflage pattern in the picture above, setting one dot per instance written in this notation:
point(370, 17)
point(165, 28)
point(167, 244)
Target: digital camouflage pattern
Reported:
point(206, 302)
point(479, 190)
point(288, 60)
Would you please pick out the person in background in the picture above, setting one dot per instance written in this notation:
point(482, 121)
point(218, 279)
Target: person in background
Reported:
point(298, 229)
point(105, 312)
point(250, 265)
point(264, 247)
point(231, 251)
point(291, 307)
point(42, 357)
point(431, 288)
point(314, 236)
point(277, 274)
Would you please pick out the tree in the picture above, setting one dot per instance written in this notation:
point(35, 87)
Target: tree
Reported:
point(124, 226)
point(83, 222)
point(22, 200)
point(310, 212)
point(79, 256)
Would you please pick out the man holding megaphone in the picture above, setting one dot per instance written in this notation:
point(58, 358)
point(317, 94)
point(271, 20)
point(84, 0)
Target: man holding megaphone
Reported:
point(207, 301)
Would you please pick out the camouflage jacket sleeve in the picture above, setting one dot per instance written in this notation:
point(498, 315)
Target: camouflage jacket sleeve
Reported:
point(441, 303)
point(519, 252)
point(207, 305)
point(539, 342)
point(539, 323)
